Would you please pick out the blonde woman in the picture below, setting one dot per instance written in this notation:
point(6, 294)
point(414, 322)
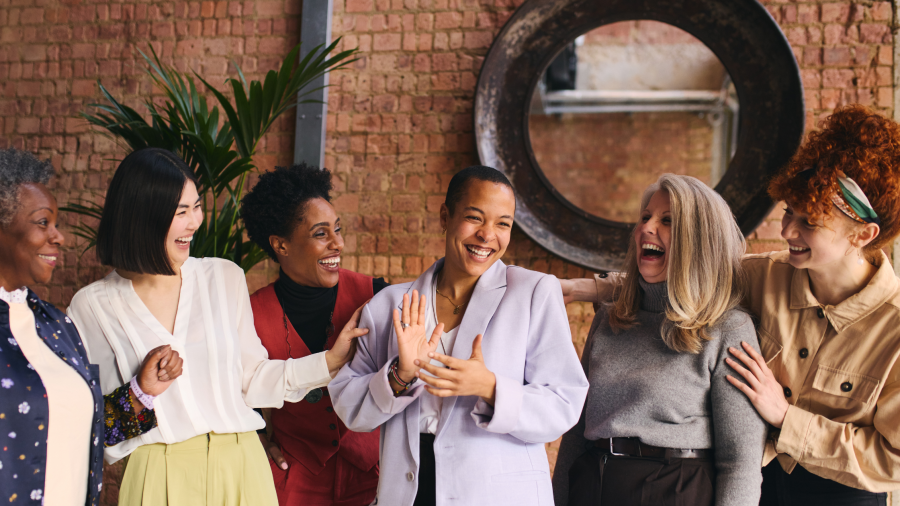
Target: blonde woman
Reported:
point(661, 424)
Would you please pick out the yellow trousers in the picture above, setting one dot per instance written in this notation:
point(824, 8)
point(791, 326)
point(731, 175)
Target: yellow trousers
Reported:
point(206, 470)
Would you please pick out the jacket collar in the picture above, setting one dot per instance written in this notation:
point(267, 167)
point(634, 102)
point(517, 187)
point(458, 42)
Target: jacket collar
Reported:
point(493, 278)
point(881, 287)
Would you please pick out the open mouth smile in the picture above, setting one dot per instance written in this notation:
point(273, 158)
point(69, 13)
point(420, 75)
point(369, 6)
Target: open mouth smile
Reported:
point(797, 250)
point(50, 259)
point(478, 253)
point(330, 263)
point(184, 242)
point(652, 252)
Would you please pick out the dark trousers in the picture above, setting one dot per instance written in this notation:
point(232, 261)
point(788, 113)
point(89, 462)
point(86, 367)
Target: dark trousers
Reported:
point(598, 479)
point(802, 488)
point(427, 493)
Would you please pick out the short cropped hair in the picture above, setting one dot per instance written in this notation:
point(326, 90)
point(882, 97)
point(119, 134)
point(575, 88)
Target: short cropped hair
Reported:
point(460, 182)
point(275, 206)
point(18, 168)
point(140, 205)
point(862, 144)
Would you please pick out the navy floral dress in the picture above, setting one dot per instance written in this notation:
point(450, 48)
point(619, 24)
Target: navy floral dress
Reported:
point(24, 410)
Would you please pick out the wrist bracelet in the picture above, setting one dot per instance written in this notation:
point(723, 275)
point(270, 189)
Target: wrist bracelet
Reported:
point(146, 399)
point(395, 366)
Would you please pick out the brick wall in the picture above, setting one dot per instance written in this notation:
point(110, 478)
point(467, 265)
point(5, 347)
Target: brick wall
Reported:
point(399, 122)
point(598, 161)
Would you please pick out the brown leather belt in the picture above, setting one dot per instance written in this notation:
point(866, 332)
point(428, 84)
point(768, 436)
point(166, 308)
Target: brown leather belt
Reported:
point(633, 447)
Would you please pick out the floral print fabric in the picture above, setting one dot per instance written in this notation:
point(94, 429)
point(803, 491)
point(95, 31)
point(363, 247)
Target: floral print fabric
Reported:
point(121, 421)
point(24, 410)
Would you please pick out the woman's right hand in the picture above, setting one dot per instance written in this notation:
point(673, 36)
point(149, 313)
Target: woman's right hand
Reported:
point(411, 341)
point(160, 368)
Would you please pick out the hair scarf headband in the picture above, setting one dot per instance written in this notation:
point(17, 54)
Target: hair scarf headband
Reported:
point(850, 200)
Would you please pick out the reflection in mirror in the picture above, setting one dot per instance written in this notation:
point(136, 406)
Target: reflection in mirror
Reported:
point(625, 103)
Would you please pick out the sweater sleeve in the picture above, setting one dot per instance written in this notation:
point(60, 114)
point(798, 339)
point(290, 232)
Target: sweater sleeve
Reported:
point(739, 431)
point(574, 444)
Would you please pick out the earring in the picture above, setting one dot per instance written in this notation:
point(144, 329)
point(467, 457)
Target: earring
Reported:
point(860, 259)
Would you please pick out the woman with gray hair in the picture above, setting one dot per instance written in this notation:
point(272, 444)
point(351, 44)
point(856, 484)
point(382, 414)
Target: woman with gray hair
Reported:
point(50, 425)
point(661, 424)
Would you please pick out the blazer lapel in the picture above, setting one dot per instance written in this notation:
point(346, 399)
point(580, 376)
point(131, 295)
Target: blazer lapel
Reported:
point(482, 305)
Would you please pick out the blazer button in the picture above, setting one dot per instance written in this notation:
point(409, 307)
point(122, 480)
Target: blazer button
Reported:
point(804, 353)
point(332, 426)
point(820, 313)
point(334, 443)
point(410, 476)
point(787, 392)
point(846, 386)
point(329, 409)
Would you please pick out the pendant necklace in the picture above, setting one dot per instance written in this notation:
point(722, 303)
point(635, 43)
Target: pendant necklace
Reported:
point(456, 309)
point(434, 310)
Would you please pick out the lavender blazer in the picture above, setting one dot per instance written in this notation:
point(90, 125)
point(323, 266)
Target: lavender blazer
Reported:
point(484, 456)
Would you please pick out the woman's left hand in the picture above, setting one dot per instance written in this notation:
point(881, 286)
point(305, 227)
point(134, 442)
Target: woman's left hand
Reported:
point(763, 390)
point(460, 377)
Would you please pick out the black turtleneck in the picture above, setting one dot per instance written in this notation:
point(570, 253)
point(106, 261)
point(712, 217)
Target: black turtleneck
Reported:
point(310, 309)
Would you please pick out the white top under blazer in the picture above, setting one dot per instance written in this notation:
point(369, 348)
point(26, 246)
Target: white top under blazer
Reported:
point(226, 370)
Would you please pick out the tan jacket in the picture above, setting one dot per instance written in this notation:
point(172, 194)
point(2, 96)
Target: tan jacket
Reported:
point(840, 366)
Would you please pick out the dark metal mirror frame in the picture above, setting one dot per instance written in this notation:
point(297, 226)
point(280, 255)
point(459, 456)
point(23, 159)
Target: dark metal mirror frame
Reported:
point(741, 33)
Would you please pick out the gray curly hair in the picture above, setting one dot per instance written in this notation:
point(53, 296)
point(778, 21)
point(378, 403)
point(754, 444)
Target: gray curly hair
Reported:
point(18, 168)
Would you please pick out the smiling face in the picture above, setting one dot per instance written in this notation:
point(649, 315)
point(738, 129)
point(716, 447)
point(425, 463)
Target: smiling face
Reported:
point(29, 247)
point(311, 256)
point(652, 237)
point(816, 245)
point(478, 230)
point(188, 217)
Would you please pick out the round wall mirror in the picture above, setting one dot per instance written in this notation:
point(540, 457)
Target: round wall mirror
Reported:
point(617, 90)
point(583, 104)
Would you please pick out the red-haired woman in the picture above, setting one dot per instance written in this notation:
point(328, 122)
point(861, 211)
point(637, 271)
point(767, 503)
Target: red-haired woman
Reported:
point(828, 380)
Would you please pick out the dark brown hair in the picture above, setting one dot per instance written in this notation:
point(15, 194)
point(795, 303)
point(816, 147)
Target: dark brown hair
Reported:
point(140, 205)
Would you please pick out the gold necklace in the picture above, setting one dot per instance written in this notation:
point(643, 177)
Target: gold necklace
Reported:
point(455, 307)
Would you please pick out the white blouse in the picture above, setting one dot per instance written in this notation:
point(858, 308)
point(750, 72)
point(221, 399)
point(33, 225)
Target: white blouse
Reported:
point(226, 369)
point(430, 407)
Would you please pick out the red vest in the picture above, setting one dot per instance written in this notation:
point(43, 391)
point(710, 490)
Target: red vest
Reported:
point(313, 433)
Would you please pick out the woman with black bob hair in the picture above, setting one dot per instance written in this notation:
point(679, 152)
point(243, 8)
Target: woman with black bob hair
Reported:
point(49, 410)
point(204, 450)
point(315, 459)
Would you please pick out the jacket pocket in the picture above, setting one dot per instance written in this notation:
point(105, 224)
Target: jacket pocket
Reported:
point(769, 347)
point(845, 384)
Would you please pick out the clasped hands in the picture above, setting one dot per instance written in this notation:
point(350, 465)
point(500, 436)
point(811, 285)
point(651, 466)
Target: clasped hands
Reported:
point(416, 351)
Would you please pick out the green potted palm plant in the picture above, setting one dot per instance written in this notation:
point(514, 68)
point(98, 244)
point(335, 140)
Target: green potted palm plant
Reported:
point(219, 147)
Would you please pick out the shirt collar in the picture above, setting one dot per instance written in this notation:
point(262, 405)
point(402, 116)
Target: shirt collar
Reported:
point(14, 297)
point(881, 287)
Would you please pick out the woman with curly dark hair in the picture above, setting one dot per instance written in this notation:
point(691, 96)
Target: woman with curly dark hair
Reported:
point(315, 459)
point(828, 379)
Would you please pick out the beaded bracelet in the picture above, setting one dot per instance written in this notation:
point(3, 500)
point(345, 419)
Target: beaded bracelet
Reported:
point(395, 365)
point(146, 399)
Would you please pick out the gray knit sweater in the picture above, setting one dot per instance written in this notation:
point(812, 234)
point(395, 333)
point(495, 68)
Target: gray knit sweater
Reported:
point(640, 388)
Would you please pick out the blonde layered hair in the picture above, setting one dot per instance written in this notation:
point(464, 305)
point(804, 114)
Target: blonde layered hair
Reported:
point(704, 274)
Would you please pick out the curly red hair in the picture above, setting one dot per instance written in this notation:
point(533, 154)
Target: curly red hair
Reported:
point(862, 144)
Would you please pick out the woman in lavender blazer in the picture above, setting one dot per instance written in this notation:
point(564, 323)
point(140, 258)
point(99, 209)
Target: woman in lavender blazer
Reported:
point(465, 414)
